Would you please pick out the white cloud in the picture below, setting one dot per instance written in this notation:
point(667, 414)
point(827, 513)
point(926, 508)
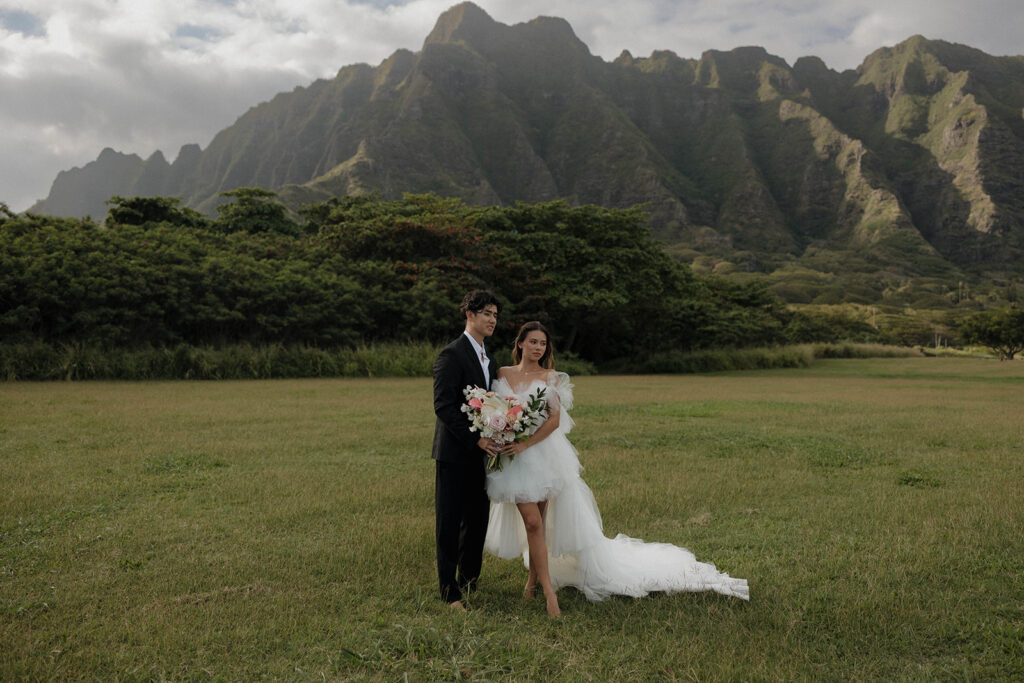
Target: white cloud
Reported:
point(141, 75)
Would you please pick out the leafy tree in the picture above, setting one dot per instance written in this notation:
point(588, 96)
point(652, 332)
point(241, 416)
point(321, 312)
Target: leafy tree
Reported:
point(150, 211)
point(738, 314)
point(370, 270)
point(414, 258)
point(318, 214)
point(1000, 330)
point(254, 210)
point(810, 326)
point(609, 289)
point(906, 330)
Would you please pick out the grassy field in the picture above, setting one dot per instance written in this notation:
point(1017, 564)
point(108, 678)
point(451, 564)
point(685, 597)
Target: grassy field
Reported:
point(284, 530)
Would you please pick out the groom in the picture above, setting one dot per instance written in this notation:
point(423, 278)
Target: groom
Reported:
point(460, 498)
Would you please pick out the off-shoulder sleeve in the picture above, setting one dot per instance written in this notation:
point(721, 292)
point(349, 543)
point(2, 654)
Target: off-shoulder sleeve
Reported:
point(560, 400)
point(560, 391)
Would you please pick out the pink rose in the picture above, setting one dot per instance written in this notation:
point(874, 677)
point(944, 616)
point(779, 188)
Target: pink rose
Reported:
point(497, 422)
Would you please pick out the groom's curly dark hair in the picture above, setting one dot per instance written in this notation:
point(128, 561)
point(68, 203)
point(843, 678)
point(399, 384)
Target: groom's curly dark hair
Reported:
point(478, 300)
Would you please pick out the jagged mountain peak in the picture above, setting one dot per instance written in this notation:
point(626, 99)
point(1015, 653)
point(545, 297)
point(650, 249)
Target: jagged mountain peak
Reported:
point(465, 22)
point(743, 57)
point(954, 57)
point(739, 69)
point(812, 64)
point(189, 151)
point(543, 36)
point(554, 29)
point(108, 154)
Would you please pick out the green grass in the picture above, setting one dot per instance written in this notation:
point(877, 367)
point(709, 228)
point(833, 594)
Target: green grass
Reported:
point(283, 529)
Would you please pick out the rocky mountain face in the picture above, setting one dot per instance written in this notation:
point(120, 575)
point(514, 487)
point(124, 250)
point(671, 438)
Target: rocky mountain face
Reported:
point(915, 159)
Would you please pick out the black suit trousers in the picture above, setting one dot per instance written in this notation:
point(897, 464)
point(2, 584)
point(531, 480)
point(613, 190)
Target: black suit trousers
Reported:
point(462, 508)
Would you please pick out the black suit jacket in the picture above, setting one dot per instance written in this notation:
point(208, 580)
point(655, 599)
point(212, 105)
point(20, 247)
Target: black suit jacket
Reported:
point(457, 367)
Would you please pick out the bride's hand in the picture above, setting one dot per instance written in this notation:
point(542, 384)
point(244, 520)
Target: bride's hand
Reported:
point(489, 446)
point(514, 448)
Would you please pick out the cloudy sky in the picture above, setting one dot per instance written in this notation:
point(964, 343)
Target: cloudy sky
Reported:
point(141, 75)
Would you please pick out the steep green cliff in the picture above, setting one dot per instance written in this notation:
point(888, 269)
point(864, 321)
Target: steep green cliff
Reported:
point(914, 162)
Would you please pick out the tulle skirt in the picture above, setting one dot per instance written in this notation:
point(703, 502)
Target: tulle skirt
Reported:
point(580, 555)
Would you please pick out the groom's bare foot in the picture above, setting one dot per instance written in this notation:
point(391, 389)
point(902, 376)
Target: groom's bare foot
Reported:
point(457, 606)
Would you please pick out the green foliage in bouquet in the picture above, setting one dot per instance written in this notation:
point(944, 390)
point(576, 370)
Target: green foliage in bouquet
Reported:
point(537, 408)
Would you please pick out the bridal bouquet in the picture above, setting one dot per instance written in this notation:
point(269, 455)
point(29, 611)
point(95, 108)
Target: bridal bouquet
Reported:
point(503, 418)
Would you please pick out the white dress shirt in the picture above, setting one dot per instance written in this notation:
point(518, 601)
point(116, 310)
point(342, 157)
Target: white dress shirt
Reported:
point(482, 357)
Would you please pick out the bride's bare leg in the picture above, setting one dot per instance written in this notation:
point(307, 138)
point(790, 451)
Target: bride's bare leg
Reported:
point(534, 522)
point(531, 581)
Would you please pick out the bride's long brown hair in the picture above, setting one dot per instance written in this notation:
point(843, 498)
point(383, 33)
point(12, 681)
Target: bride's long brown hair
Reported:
point(547, 361)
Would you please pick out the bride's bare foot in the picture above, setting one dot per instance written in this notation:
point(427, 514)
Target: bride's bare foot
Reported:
point(552, 601)
point(529, 591)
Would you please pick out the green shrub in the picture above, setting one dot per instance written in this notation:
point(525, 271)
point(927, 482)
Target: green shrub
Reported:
point(853, 350)
point(723, 360)
point(716, 360)
point(39, 361)
point(574, 365)
point(31, 360)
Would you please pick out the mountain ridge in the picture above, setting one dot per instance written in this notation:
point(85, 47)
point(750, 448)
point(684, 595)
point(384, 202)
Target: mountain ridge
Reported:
point(915, 159)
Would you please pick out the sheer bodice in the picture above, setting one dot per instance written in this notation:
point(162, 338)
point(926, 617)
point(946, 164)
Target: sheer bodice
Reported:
point(558, 392)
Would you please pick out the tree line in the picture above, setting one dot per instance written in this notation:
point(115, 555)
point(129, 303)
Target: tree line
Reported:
point(362, 270)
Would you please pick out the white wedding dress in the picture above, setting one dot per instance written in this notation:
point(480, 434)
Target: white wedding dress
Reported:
point(580, 555)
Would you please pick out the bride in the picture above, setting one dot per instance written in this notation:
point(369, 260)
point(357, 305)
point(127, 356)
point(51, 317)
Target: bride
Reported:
point(542, 510)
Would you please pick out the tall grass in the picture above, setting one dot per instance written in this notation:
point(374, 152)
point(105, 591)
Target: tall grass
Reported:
point(86, 362)
point(38, 361)
point(723, 360)
point(958, 352)
point(863, 350)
